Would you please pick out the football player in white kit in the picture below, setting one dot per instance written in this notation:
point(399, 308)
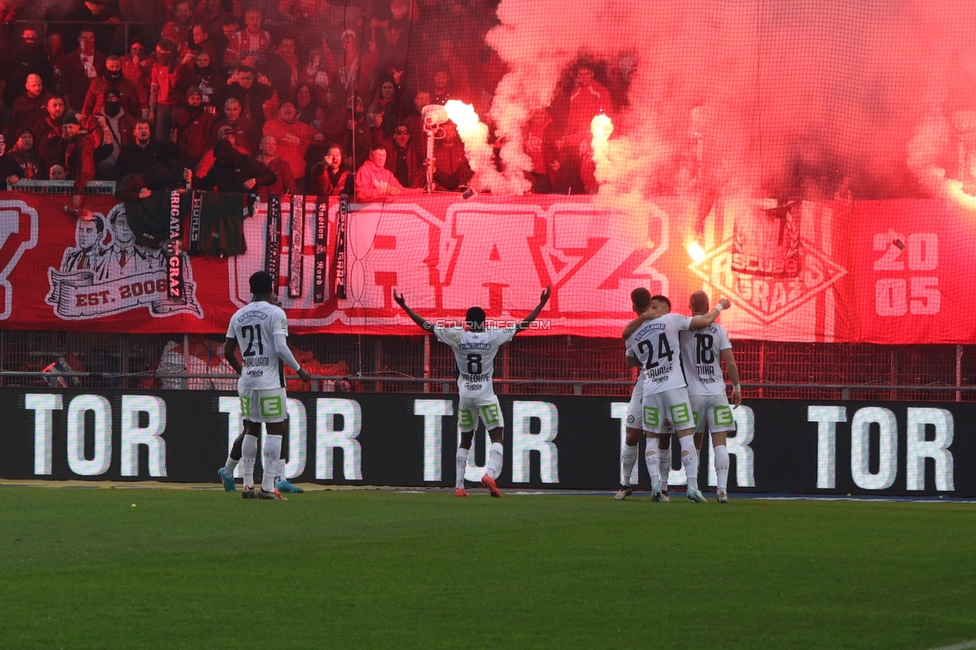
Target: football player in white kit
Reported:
point(641, 299)
point(260, 330)
point(653, 338)
point(474, 353)
point(701, 354)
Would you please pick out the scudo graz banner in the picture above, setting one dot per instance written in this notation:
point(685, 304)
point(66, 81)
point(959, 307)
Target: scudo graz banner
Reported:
point(884, 272)
point(885, 449)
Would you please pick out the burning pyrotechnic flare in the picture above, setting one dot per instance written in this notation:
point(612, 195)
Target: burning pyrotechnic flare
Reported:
point(474, 134)
point(695, 251)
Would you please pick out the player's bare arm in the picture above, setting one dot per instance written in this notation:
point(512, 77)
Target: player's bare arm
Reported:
point(733, 371)
point(649, 314)
point(230, 353)
point(524, 325)
point(414, 316)
point(704, 320)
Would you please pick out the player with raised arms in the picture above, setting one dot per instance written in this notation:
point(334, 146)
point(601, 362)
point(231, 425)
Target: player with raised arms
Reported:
point(475, 348)
point(260, 329)
point(653, 339)
point(702, 352)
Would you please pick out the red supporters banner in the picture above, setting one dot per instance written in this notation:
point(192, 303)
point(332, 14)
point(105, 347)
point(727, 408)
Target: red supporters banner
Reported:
point(883, 271)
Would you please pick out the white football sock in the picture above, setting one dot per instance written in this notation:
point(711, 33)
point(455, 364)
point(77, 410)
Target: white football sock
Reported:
point(460, 463)
point(495, 457)
point(665, 456)
point(280, 471)
point(628, 458)
point(652, 457)
point(269, 457)
point(249, 454)
point(231, 465)
point(722, 466)
point(689, 459)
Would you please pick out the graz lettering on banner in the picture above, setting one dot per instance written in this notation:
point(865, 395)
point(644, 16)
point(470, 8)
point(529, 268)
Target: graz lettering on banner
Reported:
point(101, 277)
point(342, 222)
point(172, 248)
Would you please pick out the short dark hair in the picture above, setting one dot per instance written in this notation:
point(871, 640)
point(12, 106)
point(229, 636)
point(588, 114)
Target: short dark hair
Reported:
point(475, 318)
point(377, 145)
point(641, 298)
point(261, 283)
point(663, 299)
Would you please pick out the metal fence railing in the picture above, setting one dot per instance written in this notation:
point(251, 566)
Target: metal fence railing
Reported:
point(531, 365)
point(60, 187)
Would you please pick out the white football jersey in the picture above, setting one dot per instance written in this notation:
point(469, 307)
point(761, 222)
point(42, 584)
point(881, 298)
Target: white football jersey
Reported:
point(254, 326)
point(657, 347)
point(474, 354)
point(701, 355)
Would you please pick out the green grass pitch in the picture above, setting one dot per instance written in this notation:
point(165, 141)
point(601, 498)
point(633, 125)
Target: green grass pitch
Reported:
point(82, 568)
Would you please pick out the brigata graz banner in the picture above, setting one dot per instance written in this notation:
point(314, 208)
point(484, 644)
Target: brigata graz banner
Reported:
point(879, 271)
point(882, 448)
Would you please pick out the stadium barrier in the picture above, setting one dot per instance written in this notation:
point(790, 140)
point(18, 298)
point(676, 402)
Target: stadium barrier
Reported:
point(888, 449)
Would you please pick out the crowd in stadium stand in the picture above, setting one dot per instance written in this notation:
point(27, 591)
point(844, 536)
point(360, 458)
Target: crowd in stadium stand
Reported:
point(274, 96)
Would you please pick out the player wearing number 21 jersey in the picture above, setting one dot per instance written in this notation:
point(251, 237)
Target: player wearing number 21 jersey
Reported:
point(653, 339)
point(474, 349)
point(260, 331)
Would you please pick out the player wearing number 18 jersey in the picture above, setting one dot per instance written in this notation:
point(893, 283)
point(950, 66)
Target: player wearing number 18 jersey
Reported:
point(702, 352)
point(653, 339)
point(474, 353)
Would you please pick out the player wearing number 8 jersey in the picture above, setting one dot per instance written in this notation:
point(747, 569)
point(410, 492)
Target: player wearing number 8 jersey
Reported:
point(260, 331)
point(474, 352)
point(653, 338)
point(702, 352)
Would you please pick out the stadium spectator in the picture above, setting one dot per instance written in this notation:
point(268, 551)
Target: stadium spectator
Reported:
point(386, 111)
point(212, 11)
point(451, 169)
point(246, 132)
point(209, 82)
point(330, 177)
point(249, 45)
point(304, 20)
point(374, 182)
point(415, 120)
point(587, 99)
point(293, 138)
point(193, 125)
point(180, 27)
point(102, 15)
point(252, 96)
point(355, 66)
point(442, 89)
point(54, 51)
point(304, 102)
point(79, 155)
point(477, 394)
point(50, 136)
point(113, 129)
point(10, 171)
point(229, 25)
point(137, 68)
point(281, 68)
point(30, 109)
point(403, 160)
point(350, 128)
point(22, 154)
point(56, 173)
point(27, 58)
point(167, 74)
point(201, 41)
point(144, 152)
point(320, 72)
point(207, 160)
point(540, 147)
point(113, 79)
point(285, 179)
point(80, 67)
point(233, 171)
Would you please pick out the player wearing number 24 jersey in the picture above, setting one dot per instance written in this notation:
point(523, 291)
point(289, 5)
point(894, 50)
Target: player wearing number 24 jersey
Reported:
point(475, 348)
point(653, 339)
